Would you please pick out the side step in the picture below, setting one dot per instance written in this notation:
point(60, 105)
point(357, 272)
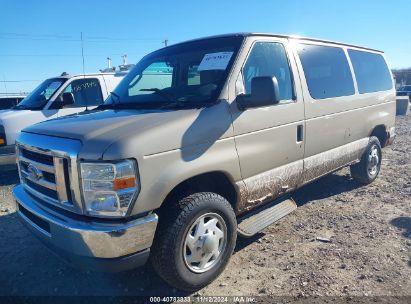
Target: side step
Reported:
point(263, 217)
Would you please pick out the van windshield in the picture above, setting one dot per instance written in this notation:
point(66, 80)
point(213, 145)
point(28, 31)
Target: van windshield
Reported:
point(185, 75)
point(39, 97)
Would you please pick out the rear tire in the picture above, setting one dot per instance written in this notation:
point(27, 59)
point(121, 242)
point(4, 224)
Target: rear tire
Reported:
point(194, 241)
point(367, 170)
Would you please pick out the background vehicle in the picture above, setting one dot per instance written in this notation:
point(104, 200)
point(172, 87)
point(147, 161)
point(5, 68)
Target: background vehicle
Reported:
point(8, 101)
point(55, 97)
point(404, 91)
point(202, 141)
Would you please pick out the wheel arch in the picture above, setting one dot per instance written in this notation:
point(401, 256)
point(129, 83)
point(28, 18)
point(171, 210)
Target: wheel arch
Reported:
point(380, 131)
point(215, 181)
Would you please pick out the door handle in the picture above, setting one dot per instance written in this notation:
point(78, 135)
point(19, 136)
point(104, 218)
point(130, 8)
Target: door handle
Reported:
point(300, 133)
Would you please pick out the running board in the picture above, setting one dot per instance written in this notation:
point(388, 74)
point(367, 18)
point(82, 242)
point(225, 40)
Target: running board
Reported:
point(263, 217)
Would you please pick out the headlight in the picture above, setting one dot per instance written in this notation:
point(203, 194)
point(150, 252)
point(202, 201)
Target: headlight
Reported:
point(109, 188)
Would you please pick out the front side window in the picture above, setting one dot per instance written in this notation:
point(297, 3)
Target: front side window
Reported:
point(326, 70)
point(269, 59)
point(86, 92)
point(371, 71)
point(39, 97)
point(190, 74)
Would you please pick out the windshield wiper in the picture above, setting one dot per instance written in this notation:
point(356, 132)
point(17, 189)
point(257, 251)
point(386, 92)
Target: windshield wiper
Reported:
point(130, 105)
point(24, 107)
point(158, 92)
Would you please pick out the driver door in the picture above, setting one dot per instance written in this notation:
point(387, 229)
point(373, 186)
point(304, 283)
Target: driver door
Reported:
point(270, 140)
point(86, 93)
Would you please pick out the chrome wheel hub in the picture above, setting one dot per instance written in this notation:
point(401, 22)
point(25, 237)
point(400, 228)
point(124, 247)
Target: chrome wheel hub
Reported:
point(205, 242)
point(373, 160)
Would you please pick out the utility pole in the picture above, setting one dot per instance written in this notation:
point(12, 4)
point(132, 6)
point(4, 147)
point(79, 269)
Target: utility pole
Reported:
point(165, 42)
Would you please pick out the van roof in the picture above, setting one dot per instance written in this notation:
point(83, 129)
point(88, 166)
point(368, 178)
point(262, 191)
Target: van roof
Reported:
point(247, 34)
point(66, 75)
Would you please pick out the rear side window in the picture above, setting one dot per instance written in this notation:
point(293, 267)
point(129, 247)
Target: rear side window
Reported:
point(326, 70)
point(371, 71)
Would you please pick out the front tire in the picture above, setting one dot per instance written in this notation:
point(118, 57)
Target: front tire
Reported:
point(367, 170)
point(194, 241)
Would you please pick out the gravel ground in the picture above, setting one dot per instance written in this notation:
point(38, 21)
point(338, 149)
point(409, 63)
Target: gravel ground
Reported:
point(367, 255)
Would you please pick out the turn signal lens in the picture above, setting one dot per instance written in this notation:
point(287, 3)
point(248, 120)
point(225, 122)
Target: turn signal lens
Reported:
point(2, 141)
point(119, 184)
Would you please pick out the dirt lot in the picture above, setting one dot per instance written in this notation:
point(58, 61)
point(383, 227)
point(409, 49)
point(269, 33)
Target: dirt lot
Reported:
point(368, 254)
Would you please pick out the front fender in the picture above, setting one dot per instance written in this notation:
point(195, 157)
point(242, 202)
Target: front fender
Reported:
point(161, 173)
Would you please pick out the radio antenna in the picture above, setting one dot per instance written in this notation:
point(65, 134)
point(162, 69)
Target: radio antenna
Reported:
point(82, 50)
point(82, 56)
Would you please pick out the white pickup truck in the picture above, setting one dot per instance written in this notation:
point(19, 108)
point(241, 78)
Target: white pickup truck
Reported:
point(54, 97)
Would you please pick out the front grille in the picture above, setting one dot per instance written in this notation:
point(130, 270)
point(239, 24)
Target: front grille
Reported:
point(50, 177)
point(37, 157)
point(43, 190)
point(45, 176)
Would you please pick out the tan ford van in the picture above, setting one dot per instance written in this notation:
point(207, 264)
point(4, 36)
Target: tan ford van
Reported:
point(202, 141)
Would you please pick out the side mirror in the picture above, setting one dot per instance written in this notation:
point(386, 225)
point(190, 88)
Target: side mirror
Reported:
point(264, 92)
point(68, 99)
point(63, 100)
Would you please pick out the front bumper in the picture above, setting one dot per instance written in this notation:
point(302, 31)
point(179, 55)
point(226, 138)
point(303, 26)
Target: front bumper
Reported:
point(85, 242)
point(7, 155)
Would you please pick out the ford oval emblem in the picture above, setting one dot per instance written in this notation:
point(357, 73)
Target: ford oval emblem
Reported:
point(34, 173)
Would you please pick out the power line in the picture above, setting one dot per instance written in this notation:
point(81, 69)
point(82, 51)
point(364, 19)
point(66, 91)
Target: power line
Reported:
point(67, 55)
point(37, 35)
point(66, 38)
point(30, 80)
point(75, 37)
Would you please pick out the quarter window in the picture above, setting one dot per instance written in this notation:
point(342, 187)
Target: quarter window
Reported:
point(371, 71)
point(326, 70)
point(269, 59)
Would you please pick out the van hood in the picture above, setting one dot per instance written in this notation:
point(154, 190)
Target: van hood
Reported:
point(117, 134)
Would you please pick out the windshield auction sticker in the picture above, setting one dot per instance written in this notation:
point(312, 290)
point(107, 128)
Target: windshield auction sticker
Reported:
point(215, 61)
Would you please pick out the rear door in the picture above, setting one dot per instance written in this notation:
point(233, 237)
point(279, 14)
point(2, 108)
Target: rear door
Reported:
point(338, 118)
point(269, 140)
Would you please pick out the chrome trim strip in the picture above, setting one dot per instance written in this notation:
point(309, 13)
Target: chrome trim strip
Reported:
point(41, 166)
point(41, 195)
point(60, 179)
point(41, 182)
